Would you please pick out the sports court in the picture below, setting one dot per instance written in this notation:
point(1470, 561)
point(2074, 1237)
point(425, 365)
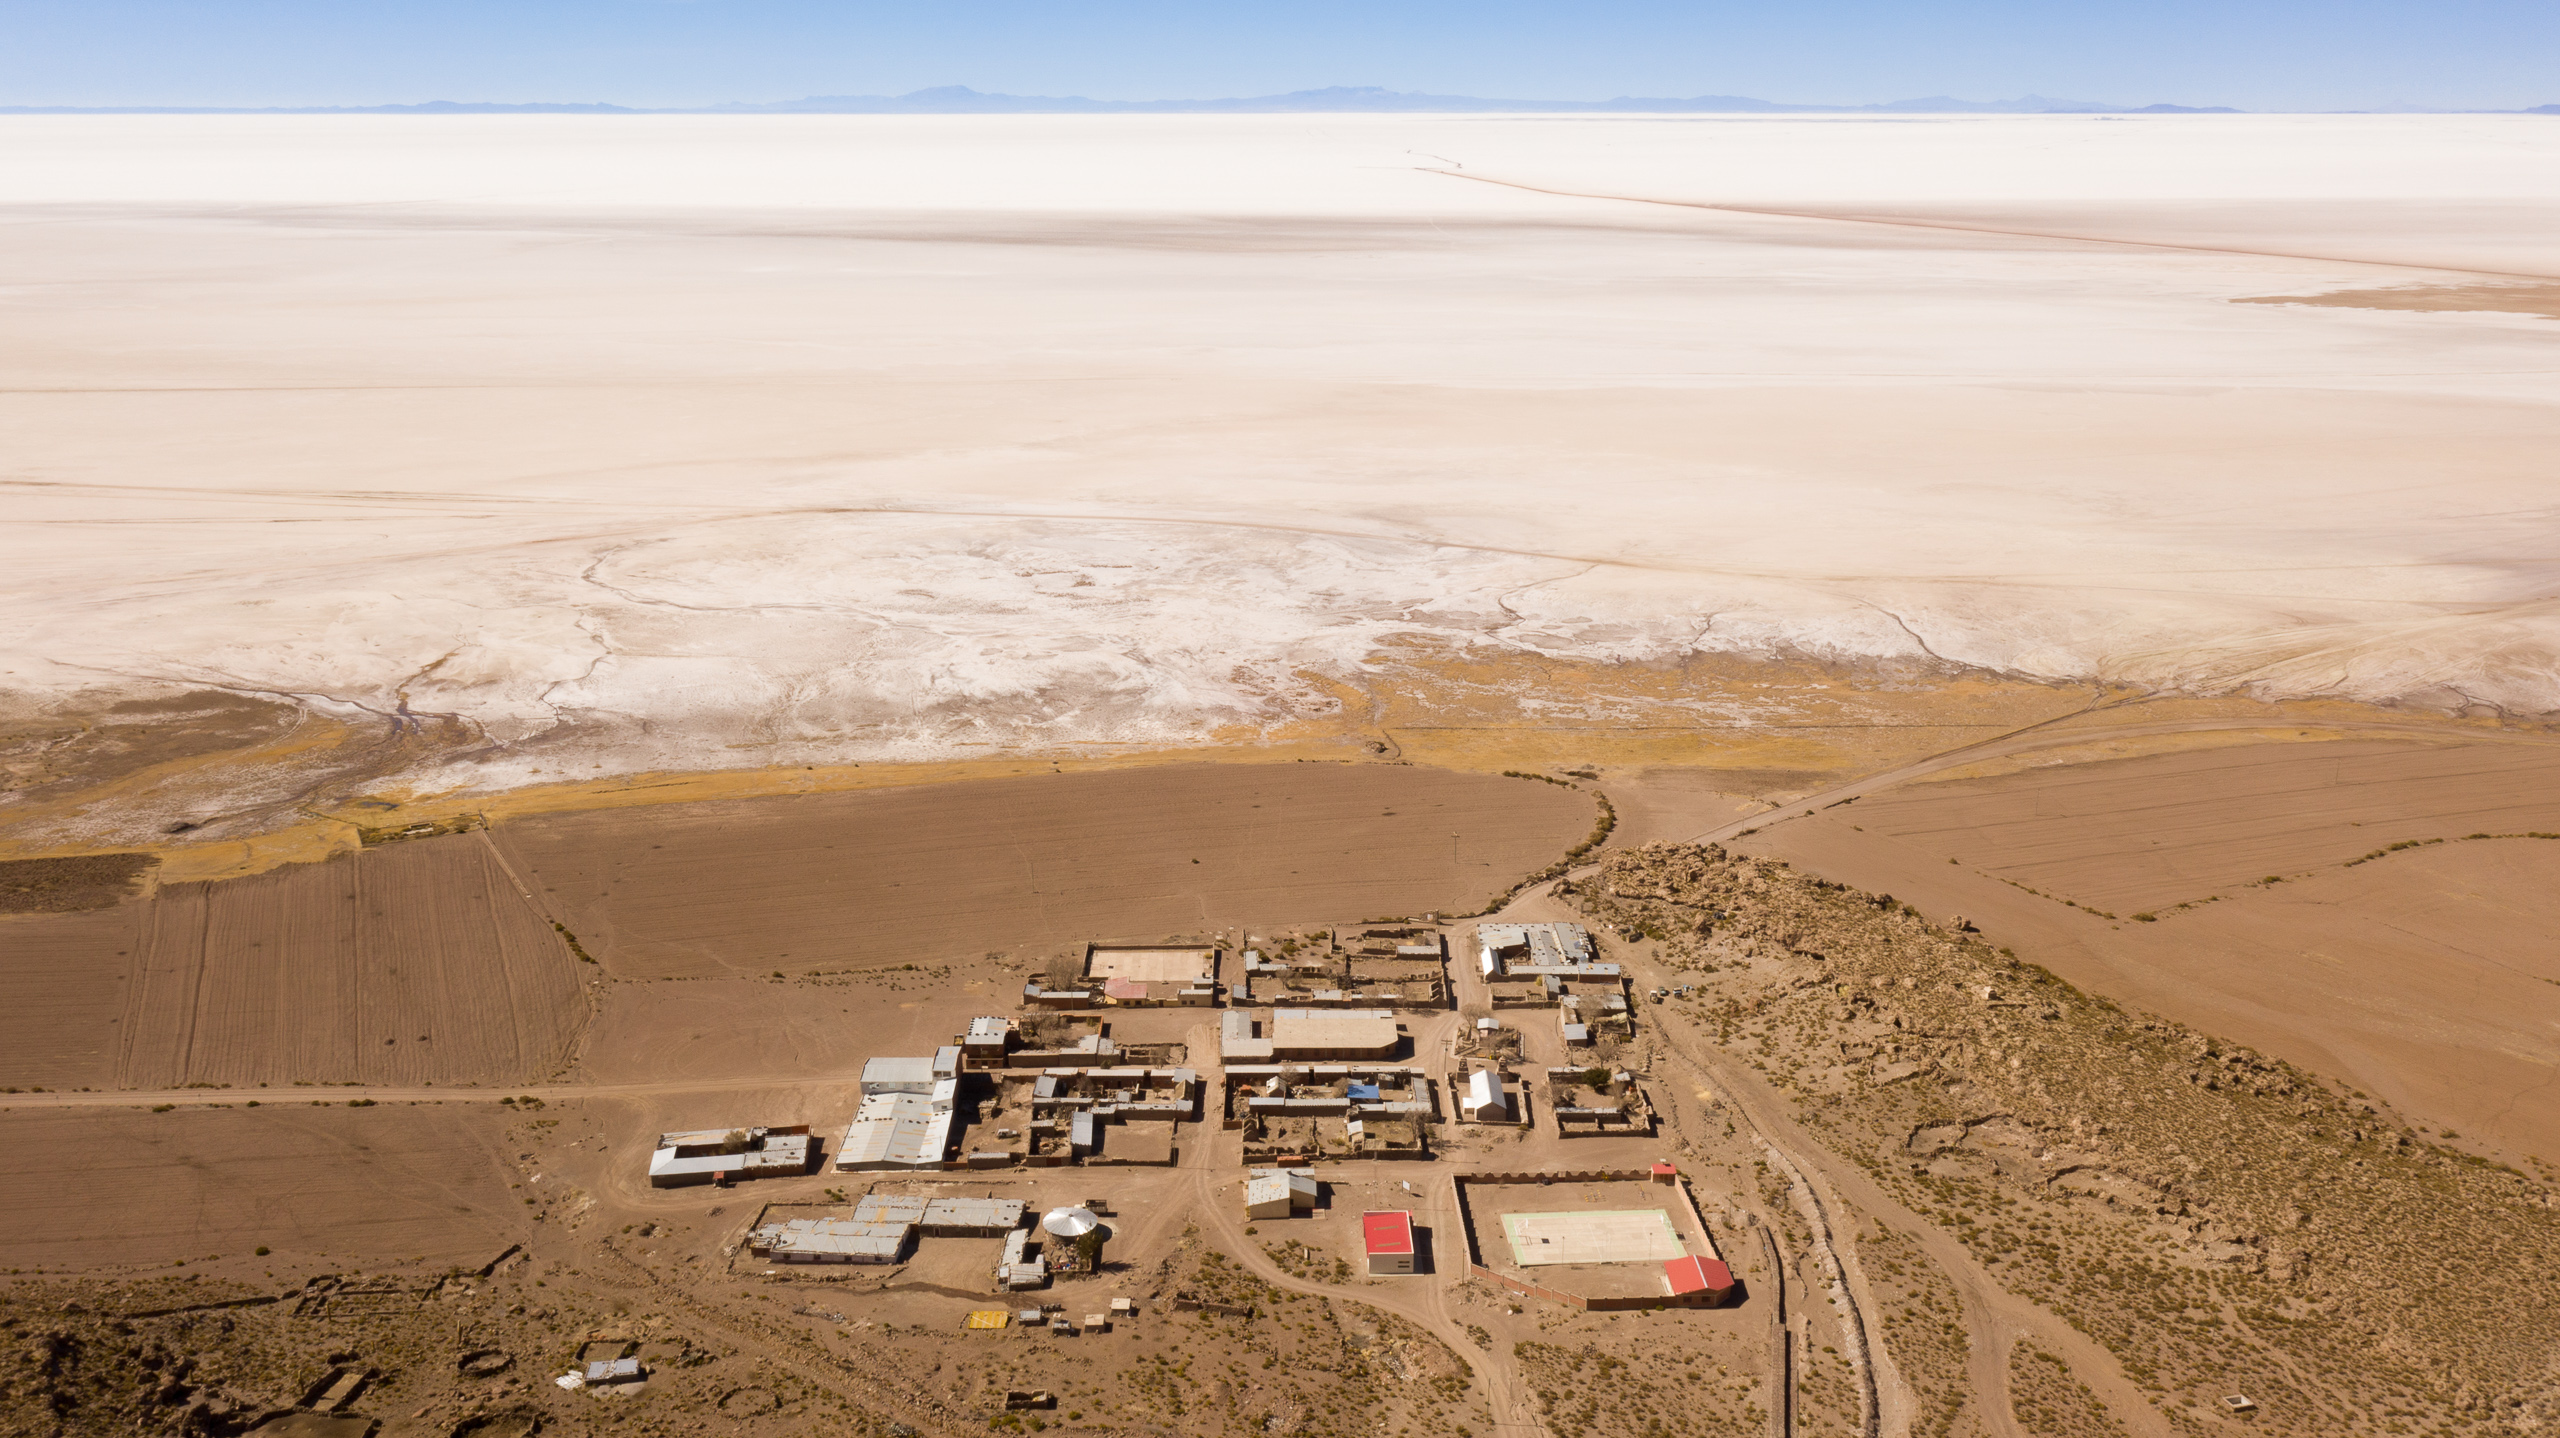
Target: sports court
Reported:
point(1626, 1235)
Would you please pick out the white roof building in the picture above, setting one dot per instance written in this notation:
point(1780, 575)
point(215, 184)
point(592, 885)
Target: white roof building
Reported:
point(1240, 1039)
point(898, 1075)
point(897, 1130)
point(702, 1155)
point(1484, 1100)
point(1267, 1198)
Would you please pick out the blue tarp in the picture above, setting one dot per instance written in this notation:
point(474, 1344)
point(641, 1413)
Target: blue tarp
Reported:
point(1365, 1092)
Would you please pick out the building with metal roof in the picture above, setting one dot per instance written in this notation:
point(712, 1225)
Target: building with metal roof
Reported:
point(897, 1130)
point(831, 1240)
point(1695, 1282)
point(1387, 1238)
point(1241, 1040)
point(717, 1154)
point(898, 1075)
point(1279, 1192)
point(613, 1370)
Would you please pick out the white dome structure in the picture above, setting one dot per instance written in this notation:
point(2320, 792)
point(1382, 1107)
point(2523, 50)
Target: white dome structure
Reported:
point(1070, 1222)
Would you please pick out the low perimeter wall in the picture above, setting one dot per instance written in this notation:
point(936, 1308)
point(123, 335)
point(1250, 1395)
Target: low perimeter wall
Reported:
point(1475, 1255)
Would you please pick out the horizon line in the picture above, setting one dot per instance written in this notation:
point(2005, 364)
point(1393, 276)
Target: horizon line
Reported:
point(960, 99)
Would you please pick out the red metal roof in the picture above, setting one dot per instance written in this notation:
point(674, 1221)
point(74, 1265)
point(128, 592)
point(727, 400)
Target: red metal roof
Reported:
point(1387, 1232)
point(1698, 1275)
point(1661, 1169)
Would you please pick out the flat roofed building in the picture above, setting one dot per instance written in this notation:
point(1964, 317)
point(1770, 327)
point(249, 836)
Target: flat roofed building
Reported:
point(971, 1217)
point(899, 1075)
point(1334, 1033)
point(831, 1240)
point(896, 1130)
point(987, 1032)
point(1501, 948)
point(1241, 1040)
point(704, 1155)
point(1388, 1240)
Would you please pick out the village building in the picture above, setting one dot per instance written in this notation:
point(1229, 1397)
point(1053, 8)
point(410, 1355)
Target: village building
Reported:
point(898, 1130)
point(1335, 1034)
point(719, 1155)
point(1387, 1238)
point(1279, 1192)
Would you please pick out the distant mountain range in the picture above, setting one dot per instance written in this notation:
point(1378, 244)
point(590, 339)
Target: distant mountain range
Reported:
point(1340, 99)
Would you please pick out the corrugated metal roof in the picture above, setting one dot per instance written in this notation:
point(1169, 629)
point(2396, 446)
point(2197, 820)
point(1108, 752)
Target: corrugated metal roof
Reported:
point(1387, 1233)
point(1697, 1275)
point(899, 1130)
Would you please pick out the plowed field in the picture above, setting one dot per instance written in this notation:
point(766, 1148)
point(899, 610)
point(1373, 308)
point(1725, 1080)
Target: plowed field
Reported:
point(415, 963)
point(955, 870)
point(62, 982)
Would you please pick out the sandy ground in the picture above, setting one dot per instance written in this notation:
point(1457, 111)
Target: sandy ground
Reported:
point(2422, 977)
point(681, 443)
point(128, 1189)
point(1032, 864)
point(2141, 834)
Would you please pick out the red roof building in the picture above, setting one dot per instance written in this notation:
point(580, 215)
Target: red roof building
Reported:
point(1389, 1239)
point(1698, 1282)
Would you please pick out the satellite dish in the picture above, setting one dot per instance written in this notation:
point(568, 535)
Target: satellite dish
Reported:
point(1070, 1222)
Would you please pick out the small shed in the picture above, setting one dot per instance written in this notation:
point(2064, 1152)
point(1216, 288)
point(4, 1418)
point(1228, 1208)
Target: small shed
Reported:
point(613, 1370)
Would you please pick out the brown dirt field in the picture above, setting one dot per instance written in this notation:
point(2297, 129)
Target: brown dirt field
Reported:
point(69, 885)
point(2424, 978)
point(415, 963)
point(2149, 832)
point(61, 993)
point(740, 1027)
point(960, 869)
point(127, 1188)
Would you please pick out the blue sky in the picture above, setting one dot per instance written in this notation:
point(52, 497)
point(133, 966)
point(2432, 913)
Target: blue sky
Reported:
point(2258, 54)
